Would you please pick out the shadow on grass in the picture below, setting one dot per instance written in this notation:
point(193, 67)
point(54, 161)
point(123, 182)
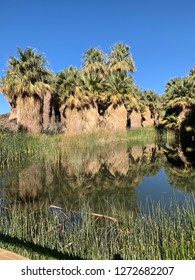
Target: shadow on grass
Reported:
point(44, 251)
point(34, 248)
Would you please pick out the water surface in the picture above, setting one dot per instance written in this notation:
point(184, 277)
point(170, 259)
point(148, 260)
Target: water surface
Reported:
point(108, 175)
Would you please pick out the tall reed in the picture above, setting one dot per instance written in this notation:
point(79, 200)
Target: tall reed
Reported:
point(153, 234)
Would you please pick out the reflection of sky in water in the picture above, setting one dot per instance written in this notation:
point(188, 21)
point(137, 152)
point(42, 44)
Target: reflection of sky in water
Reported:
point(157, 188)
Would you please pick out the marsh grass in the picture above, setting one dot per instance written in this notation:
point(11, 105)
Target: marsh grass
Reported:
point(16, 147)
point(142, 134)
point(153, 234)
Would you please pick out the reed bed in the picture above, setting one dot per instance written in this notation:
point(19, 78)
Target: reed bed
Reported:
point(15, 147)
point(149, 233)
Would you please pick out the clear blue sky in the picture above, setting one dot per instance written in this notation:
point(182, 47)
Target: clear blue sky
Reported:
point(161, 34)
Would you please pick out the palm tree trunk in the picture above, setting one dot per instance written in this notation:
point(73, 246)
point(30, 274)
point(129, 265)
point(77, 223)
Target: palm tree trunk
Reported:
point(13, 113)
point(29, 114)
point(182, 115)
point(115, 118)
point(46, 110)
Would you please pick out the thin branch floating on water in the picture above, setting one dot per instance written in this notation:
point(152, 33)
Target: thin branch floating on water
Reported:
point(89, 213)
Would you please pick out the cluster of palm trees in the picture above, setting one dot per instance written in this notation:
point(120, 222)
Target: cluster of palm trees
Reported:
point(178, 103)
point(104, 79)
point(35, 92)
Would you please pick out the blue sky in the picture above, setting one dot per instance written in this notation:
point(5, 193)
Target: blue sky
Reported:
point(161, 34)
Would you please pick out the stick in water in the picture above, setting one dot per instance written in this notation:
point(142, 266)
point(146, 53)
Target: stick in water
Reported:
point(89, 213)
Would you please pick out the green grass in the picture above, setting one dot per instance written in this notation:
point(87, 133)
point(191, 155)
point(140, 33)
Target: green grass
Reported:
point(151, 233)
point(15, 147)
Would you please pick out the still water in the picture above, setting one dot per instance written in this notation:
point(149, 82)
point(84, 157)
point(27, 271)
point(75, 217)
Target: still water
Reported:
point(111, 175)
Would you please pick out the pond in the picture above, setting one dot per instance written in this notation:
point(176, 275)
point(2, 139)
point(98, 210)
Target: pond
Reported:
point(59, 197)
point(119, 174)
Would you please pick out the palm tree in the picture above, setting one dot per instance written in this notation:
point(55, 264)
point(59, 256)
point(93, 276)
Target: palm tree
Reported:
point(118, 86)
point(67, 86)
point(121, 59)
point(150, 99)
point(107, 76)
point(91, 85)
point(150, 107)
point(133, 99)
point(27, 83)
point(94, 61)
point(74, 85)
point(179, 98)
point(180, 93)
point(78, 92)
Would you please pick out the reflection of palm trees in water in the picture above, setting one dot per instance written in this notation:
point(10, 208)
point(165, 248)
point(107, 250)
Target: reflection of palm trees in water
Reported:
point(182, 179)
point(180, 167)
point(104, 174)
point(30, 181)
